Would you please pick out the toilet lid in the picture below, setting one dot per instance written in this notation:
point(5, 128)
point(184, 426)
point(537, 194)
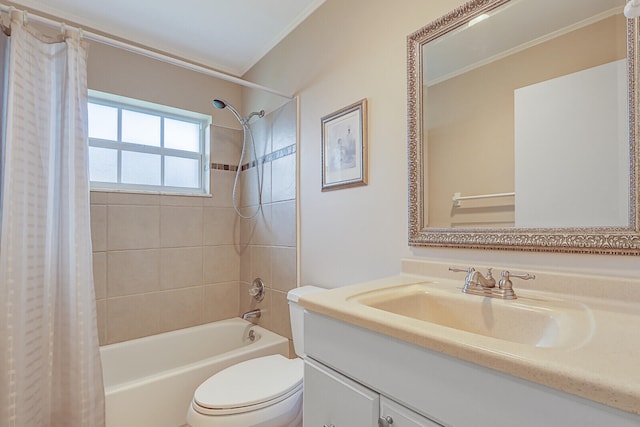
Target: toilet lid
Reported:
point(250, 383)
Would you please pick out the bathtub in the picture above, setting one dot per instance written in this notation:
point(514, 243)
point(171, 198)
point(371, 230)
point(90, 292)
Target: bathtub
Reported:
point(149, 382)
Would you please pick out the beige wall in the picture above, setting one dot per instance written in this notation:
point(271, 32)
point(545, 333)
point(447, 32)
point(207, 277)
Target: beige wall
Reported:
point(124, 73)
point(471, 122)
point(166, 262)
point(345, 51)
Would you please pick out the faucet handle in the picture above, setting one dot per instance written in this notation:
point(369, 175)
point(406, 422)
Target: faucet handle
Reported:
point(462, 270)
point(524, 276)
point(505, 281)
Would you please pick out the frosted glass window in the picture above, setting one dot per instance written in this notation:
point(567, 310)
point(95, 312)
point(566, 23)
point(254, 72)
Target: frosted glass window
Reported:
point(181, 172)
point(137, 145)
point(140, 128)
point(103, 164)
point(141, 168)
point(103, 122)
point(181, 135)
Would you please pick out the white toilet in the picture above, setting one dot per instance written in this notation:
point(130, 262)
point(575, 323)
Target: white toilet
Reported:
point(262, 392)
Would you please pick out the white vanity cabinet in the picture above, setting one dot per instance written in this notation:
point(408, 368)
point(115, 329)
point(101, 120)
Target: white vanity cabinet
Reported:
point(333, 400)
point(362, 375)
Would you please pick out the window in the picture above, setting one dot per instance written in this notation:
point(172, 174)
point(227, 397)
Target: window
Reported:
point(138, 145)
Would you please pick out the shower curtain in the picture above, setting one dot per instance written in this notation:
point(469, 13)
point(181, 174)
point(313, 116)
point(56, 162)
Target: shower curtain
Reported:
point(50, 372)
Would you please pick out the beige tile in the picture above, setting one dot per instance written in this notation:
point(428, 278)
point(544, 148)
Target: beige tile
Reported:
point(173, 200)
point(284, 126)
point(133, 317)
point(133, 272)
point(139, 199)
point(221, 301)
point(180, 267)
point(180, 226)
point(221, 188)
point(101, 316)
point(284, 178)
point(283, 268)
point(280, 323)
point(100, 274)
point(261, 264)
point(261, 130)
point(98, 197)
point(284, 228)
point(181, 308)
point(247, 230)
point(248, 188)
point(267, 182)
point(221, 226)
point(226, 145)
point(98, 228)
point(133, 227)
point(257, 231)
point(245, 264)
point(221, 264)
point(248, 303)
point(292, 350)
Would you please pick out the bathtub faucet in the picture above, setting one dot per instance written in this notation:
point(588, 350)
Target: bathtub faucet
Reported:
point(253, 314)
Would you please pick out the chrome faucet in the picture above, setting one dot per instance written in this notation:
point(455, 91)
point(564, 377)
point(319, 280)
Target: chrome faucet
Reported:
point(475, 279)
point(253, 314)
point(477, 284)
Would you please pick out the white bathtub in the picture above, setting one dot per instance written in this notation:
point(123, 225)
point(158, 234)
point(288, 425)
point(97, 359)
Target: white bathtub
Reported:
point(149, 382)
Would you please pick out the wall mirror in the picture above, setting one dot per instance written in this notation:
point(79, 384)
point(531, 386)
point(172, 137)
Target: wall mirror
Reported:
point(522, 127)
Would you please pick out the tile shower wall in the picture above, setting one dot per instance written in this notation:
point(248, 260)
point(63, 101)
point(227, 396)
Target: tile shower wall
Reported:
point(167, 262)
point(268, 241)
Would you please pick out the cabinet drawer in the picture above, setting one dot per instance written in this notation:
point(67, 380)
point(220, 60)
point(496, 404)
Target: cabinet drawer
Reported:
point(403, 417)
point(331, 399)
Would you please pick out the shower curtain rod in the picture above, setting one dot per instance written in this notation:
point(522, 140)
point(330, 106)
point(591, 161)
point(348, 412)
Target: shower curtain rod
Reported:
point(147, 52)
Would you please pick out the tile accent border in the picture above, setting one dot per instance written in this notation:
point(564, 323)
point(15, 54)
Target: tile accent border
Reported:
point(224, 167)
point(278, 154)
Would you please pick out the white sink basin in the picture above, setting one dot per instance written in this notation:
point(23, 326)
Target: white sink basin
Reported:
point(535, 322)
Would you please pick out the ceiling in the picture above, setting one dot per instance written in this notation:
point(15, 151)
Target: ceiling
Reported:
point(513, 27)
point(226, 35)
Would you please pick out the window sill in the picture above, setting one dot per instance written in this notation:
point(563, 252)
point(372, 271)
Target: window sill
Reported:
point(149, 192)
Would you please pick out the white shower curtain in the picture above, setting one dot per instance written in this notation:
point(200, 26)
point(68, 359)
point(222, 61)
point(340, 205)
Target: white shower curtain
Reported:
point(50, 373)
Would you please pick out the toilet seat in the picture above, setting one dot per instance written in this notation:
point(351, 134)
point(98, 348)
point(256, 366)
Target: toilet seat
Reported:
point(249, 385)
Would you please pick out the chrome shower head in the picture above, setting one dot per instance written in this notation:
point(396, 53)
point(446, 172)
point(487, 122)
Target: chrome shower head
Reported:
point(221, 104)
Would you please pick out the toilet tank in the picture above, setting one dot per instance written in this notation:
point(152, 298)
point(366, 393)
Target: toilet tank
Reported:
point(296, 314)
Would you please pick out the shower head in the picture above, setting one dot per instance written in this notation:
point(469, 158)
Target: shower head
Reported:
point(221, 104)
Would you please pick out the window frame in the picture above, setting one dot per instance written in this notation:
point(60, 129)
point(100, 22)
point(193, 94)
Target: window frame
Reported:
point(138, 106)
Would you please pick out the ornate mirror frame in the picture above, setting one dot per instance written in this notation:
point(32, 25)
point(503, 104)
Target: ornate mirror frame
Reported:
point(600, 240)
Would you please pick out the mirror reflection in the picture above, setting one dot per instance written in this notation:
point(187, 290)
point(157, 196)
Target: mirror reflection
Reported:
point(525, 118)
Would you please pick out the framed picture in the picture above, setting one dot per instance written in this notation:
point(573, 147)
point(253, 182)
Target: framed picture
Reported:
point(344, 147)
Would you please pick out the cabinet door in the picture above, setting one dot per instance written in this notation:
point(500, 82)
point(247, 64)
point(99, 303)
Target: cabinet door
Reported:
point(397, 415)
point(333, 400)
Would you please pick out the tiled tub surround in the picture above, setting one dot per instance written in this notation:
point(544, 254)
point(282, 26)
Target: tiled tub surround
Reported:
point(164, 262)
point(603, 368)
point(268, 241)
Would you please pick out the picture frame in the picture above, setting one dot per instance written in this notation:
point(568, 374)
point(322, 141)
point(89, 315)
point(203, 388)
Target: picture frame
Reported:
point(345, 147)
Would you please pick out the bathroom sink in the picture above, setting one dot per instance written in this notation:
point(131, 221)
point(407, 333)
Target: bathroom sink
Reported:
point(538, 322)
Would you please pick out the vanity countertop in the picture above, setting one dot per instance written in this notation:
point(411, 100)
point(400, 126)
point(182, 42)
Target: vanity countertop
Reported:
point(602, 367)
